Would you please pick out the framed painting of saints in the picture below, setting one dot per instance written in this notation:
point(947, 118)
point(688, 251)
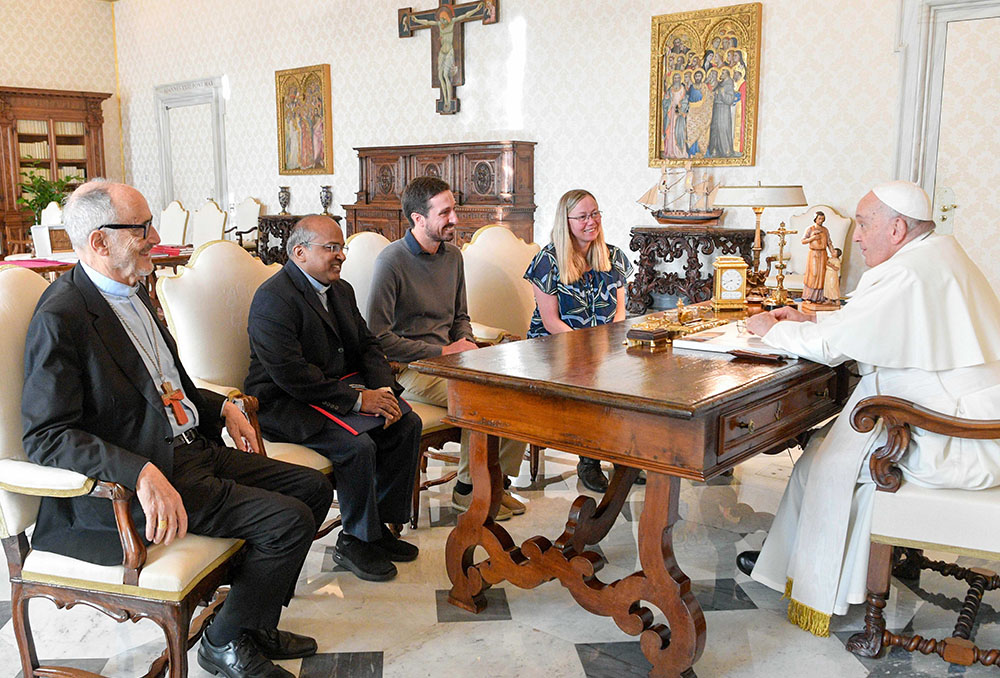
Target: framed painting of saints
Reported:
point(704, 70)
point(305, 130)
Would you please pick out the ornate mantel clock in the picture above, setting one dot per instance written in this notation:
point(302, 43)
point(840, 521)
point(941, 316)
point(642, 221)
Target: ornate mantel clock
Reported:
point(730, 288)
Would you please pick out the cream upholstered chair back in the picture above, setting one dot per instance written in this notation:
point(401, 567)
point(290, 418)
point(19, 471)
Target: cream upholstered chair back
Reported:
point(20, 289)
point(207, 224)
point(206, 305)
point(173, 224)
point(247, 214)
point(362, 250)
point(499, 296)
point(51, 215)
point(798, 254)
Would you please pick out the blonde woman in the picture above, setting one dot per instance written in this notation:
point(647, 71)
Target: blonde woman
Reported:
point(579, 281)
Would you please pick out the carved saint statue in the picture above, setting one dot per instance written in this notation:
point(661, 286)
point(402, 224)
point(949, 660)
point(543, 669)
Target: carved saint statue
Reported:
point(821, 250)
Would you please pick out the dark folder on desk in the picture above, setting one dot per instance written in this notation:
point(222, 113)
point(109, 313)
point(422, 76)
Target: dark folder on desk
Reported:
point(358, 422)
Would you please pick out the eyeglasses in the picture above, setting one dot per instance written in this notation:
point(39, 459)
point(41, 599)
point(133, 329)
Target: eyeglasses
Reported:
point(331, 247)
point(119, 227)
point(595, 215)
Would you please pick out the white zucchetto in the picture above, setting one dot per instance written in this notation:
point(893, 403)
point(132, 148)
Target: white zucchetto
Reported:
point(906, 198)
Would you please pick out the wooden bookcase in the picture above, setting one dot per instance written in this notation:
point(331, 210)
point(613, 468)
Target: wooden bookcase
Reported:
point(52, 132)
point(493, 183)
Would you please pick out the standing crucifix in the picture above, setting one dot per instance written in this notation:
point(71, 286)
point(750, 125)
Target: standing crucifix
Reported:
point(447, 55)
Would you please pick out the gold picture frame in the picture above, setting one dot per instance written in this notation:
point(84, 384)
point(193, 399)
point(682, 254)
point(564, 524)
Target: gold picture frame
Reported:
point(704, 71)
point(305, 128)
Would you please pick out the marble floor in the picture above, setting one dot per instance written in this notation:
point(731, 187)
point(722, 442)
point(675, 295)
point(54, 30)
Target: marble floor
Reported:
point(406, 629)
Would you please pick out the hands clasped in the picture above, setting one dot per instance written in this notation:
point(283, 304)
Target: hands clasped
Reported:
point(381, 402)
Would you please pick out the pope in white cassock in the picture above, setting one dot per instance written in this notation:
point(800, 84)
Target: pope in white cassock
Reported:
point(924, 325)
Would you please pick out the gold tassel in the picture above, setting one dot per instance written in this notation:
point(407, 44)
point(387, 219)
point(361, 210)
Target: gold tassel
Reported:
point(805, 617)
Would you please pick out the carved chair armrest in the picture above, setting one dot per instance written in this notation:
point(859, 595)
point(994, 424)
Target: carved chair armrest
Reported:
point(899, 415)
point(133, 548)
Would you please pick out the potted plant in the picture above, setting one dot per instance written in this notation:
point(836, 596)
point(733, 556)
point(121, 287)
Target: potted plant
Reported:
point(37, 191)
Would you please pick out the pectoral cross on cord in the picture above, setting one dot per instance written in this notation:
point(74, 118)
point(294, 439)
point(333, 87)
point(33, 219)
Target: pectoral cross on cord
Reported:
point(172, 398)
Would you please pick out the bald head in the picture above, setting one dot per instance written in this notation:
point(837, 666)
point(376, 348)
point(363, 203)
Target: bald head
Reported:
point(316, 245)
point(99, 219)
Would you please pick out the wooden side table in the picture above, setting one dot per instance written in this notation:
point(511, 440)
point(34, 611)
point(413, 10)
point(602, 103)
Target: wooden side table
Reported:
point(669, 243)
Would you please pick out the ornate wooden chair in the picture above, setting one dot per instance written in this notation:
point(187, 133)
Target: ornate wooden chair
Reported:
point(908, 518)
point(501, 301)
point(161, 583)
point(363, 248)
point(208, 223)
point(173, 224)
point(206, 305)
point(247, 214)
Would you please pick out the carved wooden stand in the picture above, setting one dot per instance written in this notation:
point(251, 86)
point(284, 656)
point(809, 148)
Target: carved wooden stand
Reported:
point(672, 649)
point(671, 243)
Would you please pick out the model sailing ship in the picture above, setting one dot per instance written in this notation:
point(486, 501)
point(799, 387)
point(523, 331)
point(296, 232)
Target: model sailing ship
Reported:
point(675, 184)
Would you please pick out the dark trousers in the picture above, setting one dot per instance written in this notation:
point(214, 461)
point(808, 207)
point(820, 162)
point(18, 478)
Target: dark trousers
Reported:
point(374, 473)
point(275, 506)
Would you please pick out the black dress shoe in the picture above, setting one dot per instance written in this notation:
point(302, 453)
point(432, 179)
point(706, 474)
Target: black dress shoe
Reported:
point(640, 479)
point(590, 474)
point(239, 658)
point(366, 560)
point(276, 644)
point(396, 549)
point(746, 561)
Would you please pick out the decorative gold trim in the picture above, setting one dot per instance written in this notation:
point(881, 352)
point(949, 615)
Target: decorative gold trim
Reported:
point(933, 546)
point(118, 92)
point(129, 590)
point(699, 26)
point(87, 486)
point(323, 70)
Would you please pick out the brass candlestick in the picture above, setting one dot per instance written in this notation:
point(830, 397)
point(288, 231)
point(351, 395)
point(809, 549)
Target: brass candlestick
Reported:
point(756, 276)
point(779, 297)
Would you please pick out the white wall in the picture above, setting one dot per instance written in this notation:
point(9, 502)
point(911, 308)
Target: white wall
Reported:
point(63, 45)
point(572, 75)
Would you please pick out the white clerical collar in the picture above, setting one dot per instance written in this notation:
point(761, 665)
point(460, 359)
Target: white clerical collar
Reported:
point(107, 285)
point(316, 284)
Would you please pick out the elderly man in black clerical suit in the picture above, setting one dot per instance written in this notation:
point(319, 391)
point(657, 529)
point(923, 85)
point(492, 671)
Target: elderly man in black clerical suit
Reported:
point(106, 395)
point(314, 362)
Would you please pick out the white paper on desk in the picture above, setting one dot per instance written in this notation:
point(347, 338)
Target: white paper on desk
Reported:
point(726, 338)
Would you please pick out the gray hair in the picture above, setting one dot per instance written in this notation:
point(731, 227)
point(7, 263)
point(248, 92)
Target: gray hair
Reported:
point(914, 227)
point(299, 235)
point(87, 209)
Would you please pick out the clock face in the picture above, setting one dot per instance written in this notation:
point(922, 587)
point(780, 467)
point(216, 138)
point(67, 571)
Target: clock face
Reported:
point(731, 280)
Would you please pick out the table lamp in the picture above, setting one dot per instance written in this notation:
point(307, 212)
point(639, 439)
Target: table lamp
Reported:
point(758, 197)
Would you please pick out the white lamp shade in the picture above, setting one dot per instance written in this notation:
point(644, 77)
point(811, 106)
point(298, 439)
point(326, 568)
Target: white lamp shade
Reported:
point(760, 196)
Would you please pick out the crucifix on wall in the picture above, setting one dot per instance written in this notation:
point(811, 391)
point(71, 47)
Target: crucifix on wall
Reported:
point(447, 55)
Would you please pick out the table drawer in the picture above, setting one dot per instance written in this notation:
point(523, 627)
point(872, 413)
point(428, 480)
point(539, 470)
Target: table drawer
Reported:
point(766, 422)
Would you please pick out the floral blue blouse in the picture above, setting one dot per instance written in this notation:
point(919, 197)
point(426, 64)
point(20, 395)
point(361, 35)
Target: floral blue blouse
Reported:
point(588, 302)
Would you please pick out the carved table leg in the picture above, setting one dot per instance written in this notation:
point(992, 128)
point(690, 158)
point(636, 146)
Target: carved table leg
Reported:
point(868, 643)
point(672, 650)
point(476, 525)
point(589, 522)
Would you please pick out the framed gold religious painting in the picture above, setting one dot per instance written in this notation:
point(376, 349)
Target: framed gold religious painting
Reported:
point(305, 130)
point(703, 87)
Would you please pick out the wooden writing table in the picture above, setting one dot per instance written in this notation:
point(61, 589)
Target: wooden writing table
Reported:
point(680, 414)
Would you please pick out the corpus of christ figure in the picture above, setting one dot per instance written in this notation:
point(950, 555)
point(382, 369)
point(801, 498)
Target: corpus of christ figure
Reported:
point(447, 54)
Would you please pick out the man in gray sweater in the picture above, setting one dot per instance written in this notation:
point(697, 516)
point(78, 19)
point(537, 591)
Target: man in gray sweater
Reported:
point(417, 308)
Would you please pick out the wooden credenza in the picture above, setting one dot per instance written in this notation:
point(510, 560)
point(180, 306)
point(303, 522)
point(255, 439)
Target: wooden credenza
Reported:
point(53, 133)
point(493, 182)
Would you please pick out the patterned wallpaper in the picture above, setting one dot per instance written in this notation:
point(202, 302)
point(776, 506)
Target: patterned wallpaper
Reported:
point(63, 45)
point(969, 150)
point(571, 75)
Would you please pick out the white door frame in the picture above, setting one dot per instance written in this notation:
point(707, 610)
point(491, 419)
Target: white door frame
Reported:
point(922, 36)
